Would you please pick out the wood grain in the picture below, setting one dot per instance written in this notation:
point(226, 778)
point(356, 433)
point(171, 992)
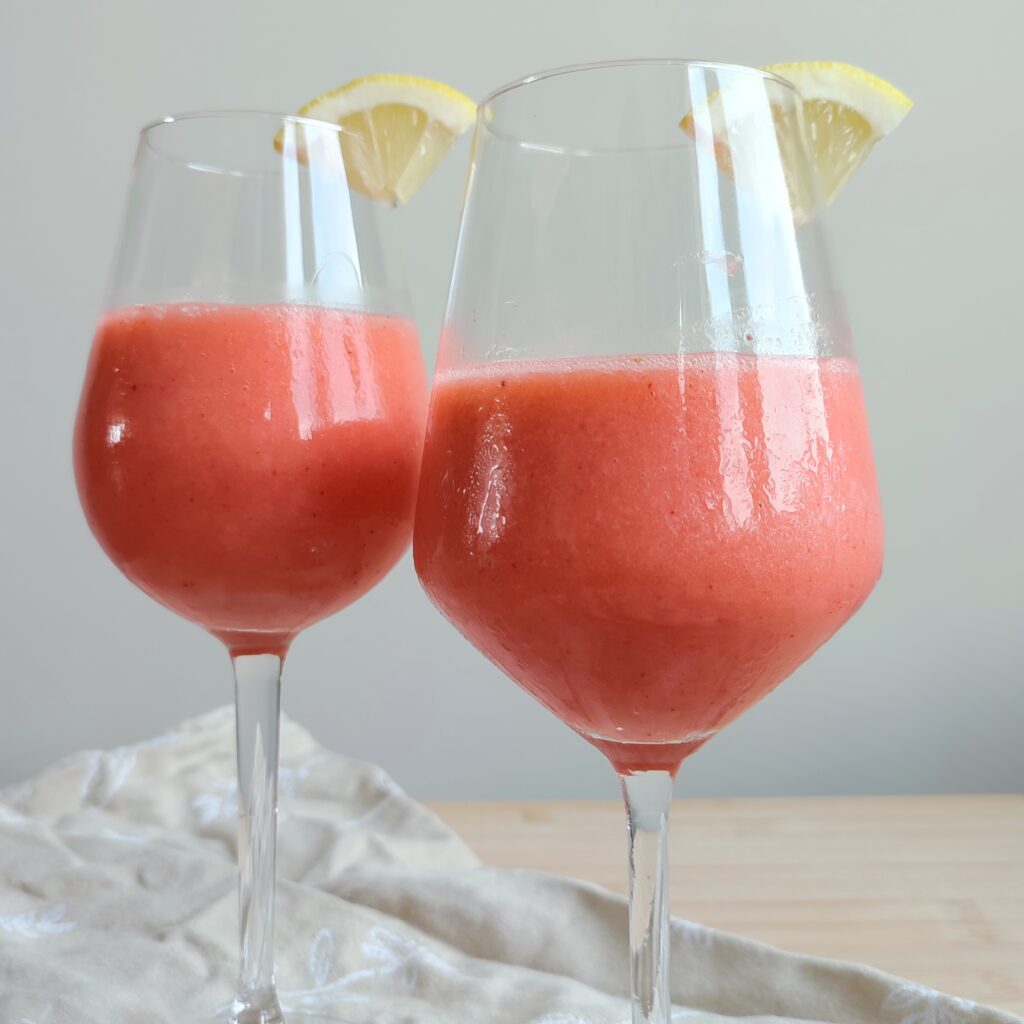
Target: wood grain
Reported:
point(928, 888)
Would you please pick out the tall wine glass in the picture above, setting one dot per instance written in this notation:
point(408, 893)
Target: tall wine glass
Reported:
point(248, 440)
point(647, 492)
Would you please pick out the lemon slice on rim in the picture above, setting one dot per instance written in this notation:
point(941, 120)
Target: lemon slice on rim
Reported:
point(845, 111)
point(396, 130)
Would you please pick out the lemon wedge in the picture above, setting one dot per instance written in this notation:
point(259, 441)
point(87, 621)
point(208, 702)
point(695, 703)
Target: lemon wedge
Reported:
point(396, 130)
point(845, 111)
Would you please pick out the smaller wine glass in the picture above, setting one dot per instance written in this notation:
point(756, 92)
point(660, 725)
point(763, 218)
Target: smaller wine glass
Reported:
point(248, 441)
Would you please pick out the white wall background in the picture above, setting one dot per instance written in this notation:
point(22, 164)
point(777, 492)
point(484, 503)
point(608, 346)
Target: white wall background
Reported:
point(922, 692)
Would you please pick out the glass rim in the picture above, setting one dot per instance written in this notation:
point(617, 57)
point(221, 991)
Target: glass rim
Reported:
point(163, 147)
point(625, 62)
point(489, 118)
point(198, 115)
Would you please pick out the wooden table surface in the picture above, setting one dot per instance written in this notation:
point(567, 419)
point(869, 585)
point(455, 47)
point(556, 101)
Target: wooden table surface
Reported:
point(928, 888)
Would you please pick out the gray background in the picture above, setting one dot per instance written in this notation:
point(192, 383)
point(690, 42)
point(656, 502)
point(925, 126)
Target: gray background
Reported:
point(920, 693)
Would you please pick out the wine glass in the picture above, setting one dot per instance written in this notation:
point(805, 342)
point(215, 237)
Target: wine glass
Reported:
point(647, 492)
point(248, 440)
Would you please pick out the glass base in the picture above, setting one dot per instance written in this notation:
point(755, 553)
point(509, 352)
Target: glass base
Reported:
point(291, 1017)
point(268, 1011)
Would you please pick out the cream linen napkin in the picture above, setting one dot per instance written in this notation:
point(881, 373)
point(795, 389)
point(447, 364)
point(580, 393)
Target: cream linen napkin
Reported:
point(118, 906)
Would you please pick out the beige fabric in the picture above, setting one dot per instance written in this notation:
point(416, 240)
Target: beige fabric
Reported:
point(118, 906)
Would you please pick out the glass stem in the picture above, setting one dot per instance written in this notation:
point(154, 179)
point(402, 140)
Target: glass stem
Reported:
point(648, 796)
point(257, 711)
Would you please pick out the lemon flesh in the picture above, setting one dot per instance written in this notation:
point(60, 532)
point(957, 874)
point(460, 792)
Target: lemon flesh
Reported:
point(845, 111)
point(396, 129)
